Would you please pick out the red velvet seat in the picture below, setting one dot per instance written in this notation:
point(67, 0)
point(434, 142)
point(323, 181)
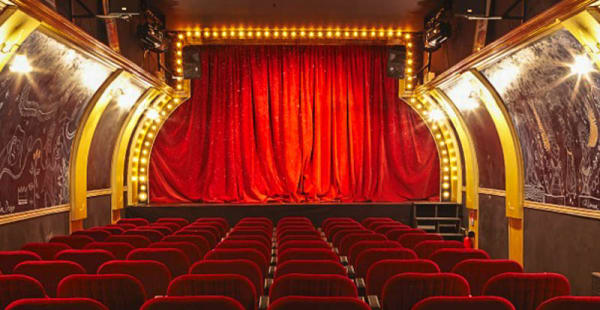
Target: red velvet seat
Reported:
point(118, 249)
point(177, 262)
point(49, 273)
point(446, 259)
point(299, 238)
point(335, 228)
point(219, 220)
point(297, 284)
point(478, 271)
point(134, 221)
point(75, 242)
point(294, 232)
point(303, 253)
point(249, 254)
point(402, 291)
point(56, 304)
point(90, 260)
point(199, 241)
point(154, 276)
point(368, 257)
point(332, 220)
point(124, 226)
point(382, 229)
point(239, 244)
point(255, 225)
point(208, 235)
point(571, 302)
point(230, 285)
point(45, 250)
point(395, 234)
point(368, 220)
point(256, 219)
point(336, 239)
point(351, 239)
point(243, 267)
point(307, 266)
point(262, 239)
point(411, 240)
point(214, 228)
point(193, 302)
point(318, 303)
point(153, 235)
point(383, 270)
point(115, 291)
point(136, 241)
point(248, 232)
point(425, 248)
point(9, 259)
point(309, 244)
point(376, 224)
point(178, 220)
point(360, 246)
point(192, 252)
point(464, 303)
point(218, 227)
point(113, 230)
point(17, 286)
point(165, 230)
point(172, 226)
point(526, 291)
point(97, 234)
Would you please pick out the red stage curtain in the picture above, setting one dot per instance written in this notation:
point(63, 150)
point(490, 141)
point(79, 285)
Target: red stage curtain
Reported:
point(293, 124)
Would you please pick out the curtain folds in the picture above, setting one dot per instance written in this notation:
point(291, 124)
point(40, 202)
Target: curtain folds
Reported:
point(293, 124)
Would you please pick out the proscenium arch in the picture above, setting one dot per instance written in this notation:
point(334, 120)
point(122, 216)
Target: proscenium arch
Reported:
point(120, 150)
point(471, 165)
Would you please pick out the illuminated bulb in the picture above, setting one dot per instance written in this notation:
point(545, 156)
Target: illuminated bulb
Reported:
point(446, 194)
point(409, 85)
point(224, 34)
point(445, 160)
point(302, 33)
point(381, 33)
point(153, 127)
point(284, 34)
point(180, 36)
point(241, 33)
point(150, 135)
point(445, 169)
point(442, 143)
point(178, 53)
point(197, 33)
point(143, 161)
point(145, 152)
point(276, 34)
point(293, 34)
point(410, 61)
point(355, 34)
point(445, 185)
point(142, 178)
point(143, 197)
point(390, 33)
point(338, 34)
point(169, 106)
point(582, 65)
point(419, 106)
point(446, 178)
point(413, 100)
point(444, 152)
point(250, 34)
point(163, 113)
point(258, 34)
point(179, 86)
point(152, 114)
point(399, 33)
point(176, 100)
point(133, 178)
point(311, 34)
point(434, 127)
point(179, 70)
point(409, 70)
point(410, 44)
point(189, 33)
point(347, 34)
point(267, 34)
point(438, 136)
point(215, 34)
point(410, 78)
point(320, 34)
point(329, 34)
point(436, 115)
point(407, 36)
point(143, 187)
point(372, 33)
point(178, 61)
point(364, 33)
point(147, 143)
point(178, 44)
point(135, 159)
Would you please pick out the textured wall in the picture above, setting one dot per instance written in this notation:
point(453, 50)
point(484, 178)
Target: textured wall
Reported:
point(493, 231)
point(40, 229)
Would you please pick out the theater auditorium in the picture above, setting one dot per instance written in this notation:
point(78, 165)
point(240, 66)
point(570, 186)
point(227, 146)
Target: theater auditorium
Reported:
point(294, 155)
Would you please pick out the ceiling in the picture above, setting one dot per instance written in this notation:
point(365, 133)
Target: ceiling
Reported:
point(182, 15)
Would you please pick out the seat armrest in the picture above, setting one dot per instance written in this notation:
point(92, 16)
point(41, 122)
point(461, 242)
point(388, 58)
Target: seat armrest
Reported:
point(373, 302)
point(271, 271)
point(361, 286)
point(273, 261)
point(336, 251)
point(273, 252)
point(351, 271)
point(344, 260)
point(268, 283)
point(263, 302)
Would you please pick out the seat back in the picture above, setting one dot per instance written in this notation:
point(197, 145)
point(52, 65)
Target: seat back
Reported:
point(448, 258)
point(49, 273)
point(192, 302)
point(303, 253)
point(190, 250)
point(402, 291)
point(207, 234)
point(289, 238)
point(115, 291)
point(368, 220)
point(337, 237)
point(118, 249)
point(368, 257)
point(153, 235)
point(295, 230)
point(382, 229)
point(262, 239)
point(383, 270)
point(571, 302)
point(90, 260)
point(425, 248)
point(243, 267)
point(113, 230)
point(249, 254)
point(177, 262)
point(318, 303)
point(297, 284)
point(17, 286)
point(154, 276)
point(45, 250)
point(526, 291)
point(231, 285)
point(249, 232)
point(307, 266)
point(165, 230)
point(199, 241)
point(74, 241)
point(334, 228)
point(310, 244)
point(134, 221)
point(213, 228)
point(97, 234)
point(239, 244)
point(56, 304)
point(396, 233)
point(479, 271)
point(177, 220)
point(9, 259)
point(351, 239)
point(411, 240)
point(464, 303)
point(360, 246)
point(135, 241)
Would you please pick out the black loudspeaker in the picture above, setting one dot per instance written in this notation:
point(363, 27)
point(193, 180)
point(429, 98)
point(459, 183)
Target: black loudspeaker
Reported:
point(191, 63)
point(124, 7)
point(469, 7)
point(396, 62)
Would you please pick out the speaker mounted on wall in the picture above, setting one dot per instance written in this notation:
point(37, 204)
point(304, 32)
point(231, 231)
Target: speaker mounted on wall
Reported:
point(396, 64)
point(191, 62)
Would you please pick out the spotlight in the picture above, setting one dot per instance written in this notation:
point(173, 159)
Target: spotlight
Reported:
point(581, 65)
point(20, 64)
point(436, 115)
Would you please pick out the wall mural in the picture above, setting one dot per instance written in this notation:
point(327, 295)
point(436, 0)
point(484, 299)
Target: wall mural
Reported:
point(555, 107)
point(39, 113)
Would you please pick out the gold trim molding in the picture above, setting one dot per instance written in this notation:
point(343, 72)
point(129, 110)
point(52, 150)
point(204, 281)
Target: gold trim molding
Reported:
point(99, 192)
point(492, 191)
point(26, 215)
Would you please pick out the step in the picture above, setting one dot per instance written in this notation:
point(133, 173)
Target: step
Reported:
point(437, 218)
point(451, 234)
point(426, 227)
